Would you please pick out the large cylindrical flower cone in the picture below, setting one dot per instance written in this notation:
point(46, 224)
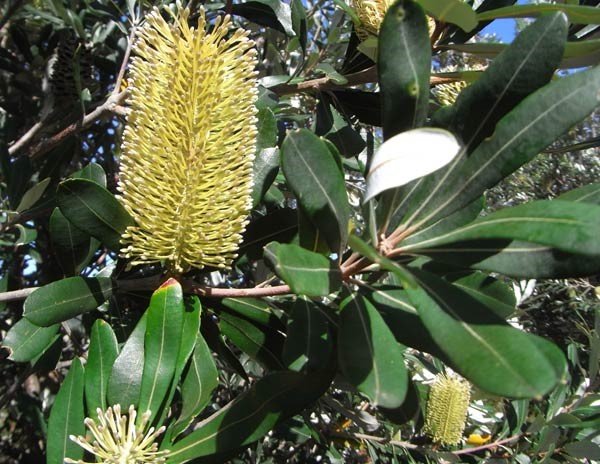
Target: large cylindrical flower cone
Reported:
point(188, 147)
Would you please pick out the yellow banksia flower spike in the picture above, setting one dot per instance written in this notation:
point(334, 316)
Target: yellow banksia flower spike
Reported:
point(447, 407)
point(371, 13)
point(189, 142)
point(115, 439)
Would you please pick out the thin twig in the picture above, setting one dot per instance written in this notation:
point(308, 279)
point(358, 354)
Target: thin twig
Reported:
point(48, 144)
point(326, 84)
point(126, 55)
point(256, 292)
point(488, 446)
point(26, 137)
point(17, 294)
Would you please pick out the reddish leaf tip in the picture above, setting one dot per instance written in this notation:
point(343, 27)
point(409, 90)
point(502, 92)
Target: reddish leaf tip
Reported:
point(168, 283)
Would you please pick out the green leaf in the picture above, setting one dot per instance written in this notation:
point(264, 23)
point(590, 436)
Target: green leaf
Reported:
point(253, 309)
point(102, 354)
point(66, 298)
point(404, 67)
point(586, 194)
point(270, 13)
point(25, 341)
point(402, 318)
point(313, 175)
point(260, 343)
point(563, 225)
point(368, 354)
point(480, 345)
point(299, 22)
point(198, 384)
point(94, 210)
point(66, 418)
point(493, 293)
point(189, 335)
point(161, 344)
point(264, 171)
point(126, 375)
point(306, 273)
point(267, 129)
point(308, 343)
point(279, 225)
point(519, 136)
point(93, 172)
point(26, 235)
point(267, 403)
point(451, 11)
point(31, 196)
point(577, 14)
point(516, 259)
point(72, 244)
point(584, 449)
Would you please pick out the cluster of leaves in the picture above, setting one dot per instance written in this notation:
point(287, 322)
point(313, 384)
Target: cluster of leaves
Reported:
point(335, 310)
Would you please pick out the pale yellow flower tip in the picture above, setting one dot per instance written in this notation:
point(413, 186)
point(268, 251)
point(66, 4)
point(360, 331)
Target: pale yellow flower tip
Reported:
point(447, 407)
point(115, 439)
point(371, 13)
point(189, 143)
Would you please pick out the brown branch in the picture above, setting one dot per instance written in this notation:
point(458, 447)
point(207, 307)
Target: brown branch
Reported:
point(488, 446)
point(256, 292)
point(326, 84)
point(48, 144)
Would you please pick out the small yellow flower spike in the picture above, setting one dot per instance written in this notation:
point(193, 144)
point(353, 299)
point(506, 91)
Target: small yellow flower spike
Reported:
point(447, 407)
point(188, 147)
point(116, 439)
point(371, 14)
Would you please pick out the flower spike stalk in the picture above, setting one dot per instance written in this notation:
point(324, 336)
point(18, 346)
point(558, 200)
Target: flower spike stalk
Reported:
point(188, 147)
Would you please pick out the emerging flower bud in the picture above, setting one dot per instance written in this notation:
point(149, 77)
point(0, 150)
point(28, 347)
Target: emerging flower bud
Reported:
point(188, 148)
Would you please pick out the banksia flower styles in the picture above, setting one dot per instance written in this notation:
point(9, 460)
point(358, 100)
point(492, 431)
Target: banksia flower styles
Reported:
point(447, 407)
point(117, 440)
point(186, 168)
point(370, 13)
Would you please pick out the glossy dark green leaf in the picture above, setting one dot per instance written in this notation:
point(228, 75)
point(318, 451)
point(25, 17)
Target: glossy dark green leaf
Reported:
point(451, 11)
point(539, 120)
point(404, 65)
point(161, 344)
point(102, 354)
point(279, 225)
point(336, 129)
point(93, 172)
point(308, 343)
point(32, 195)
point(94, 210)
point(270, 13)
point(583, 449)
point(480, 345)
point(402, 318)
point(368, 354)
point(306, 273)
point(66, 418)
point(126, 375)
point(260, 343)
point(564, 225)
point(313, 175)
point(66, 298)
point(265, 169)
point(267, 129)
point(516, 259)
point(72, 244)
point(253, 309)
point(25, 341)
point(366, 106)
point(493, 293)
point(299, 22)
point(189, 335)
point(271, 400)
point(198, 384)
point(216, 343)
